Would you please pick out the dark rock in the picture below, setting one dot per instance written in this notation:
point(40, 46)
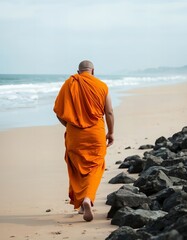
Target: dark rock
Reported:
point(146, 154)
point(155, 205)
point(122, 198)
point(152, 161)
point(181, 226)
point(152, 170)
point(175, 219)
point(175, 147)
point(147, 146)
point(178, 181)
point(122, 233)
point(128, 188)
point(128, 161)
point(133, 157)
point(158, 198)
point(119, 214)
point(184, 130)
point(171, 235)
point(133, 163)
point(129, 147)
point(48, 210)
point(153, 183)
point(171, 162)
point(183, 144)
point(163, 152)
point(144, 206)
point(136, 166)
point(161, 141)
point(112, 211)
point(125, 164)
point(163, 178)
point(111, 198)
point(177, 139)
point(175, 199)
point(122, 178)
point(143, 235)
point(178, 171)
point(184, 159)
point(135, 218)
point(185, 188)
point(118, 162)
point(183, 154)
point(162, 195)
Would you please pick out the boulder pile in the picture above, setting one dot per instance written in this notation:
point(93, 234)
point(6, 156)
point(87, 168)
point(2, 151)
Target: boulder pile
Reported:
point(153, 206)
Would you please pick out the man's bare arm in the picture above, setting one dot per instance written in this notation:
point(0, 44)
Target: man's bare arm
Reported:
point(62, 121)
point(109, 115)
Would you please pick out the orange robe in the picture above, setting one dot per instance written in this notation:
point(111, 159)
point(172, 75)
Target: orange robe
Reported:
point(80, 103)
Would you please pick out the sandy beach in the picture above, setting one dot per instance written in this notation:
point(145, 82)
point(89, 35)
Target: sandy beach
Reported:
point(33, 175)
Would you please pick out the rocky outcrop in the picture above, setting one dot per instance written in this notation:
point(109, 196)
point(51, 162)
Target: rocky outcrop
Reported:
point(122, 178)
point(155, 207)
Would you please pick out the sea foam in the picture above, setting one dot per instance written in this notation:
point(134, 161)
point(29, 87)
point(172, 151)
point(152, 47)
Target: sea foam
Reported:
point(27, 100)
point(30, 94)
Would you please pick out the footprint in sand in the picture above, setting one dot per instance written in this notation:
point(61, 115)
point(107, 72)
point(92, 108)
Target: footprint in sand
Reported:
point(84, 231)
point(56, 233)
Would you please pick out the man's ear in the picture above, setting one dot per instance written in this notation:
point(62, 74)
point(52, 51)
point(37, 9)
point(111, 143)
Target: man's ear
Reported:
point(92, 71)
point(78, 72)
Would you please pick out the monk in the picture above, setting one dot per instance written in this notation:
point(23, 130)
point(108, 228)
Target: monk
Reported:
point(80, 106)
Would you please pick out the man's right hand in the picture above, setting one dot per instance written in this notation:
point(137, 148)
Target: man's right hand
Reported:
point(110, 139)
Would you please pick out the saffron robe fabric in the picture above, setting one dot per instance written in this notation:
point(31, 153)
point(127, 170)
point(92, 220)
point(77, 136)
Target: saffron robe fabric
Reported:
point(80, 103)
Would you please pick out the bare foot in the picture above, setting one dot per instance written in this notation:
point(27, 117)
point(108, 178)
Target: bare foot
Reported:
point(81, 210)
point(88, 214)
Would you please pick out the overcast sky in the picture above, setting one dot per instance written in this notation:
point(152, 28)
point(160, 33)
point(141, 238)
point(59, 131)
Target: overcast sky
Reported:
point(53, 36)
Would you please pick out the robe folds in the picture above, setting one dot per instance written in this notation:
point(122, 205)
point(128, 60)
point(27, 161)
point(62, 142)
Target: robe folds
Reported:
point(80, 103)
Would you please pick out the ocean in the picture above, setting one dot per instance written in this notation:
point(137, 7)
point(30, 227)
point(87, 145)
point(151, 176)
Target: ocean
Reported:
point(27, 100)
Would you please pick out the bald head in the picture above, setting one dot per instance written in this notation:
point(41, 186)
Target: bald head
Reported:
point(86, 66)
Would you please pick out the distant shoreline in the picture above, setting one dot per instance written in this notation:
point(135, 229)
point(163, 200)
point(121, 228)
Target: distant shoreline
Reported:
point(150, 70)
